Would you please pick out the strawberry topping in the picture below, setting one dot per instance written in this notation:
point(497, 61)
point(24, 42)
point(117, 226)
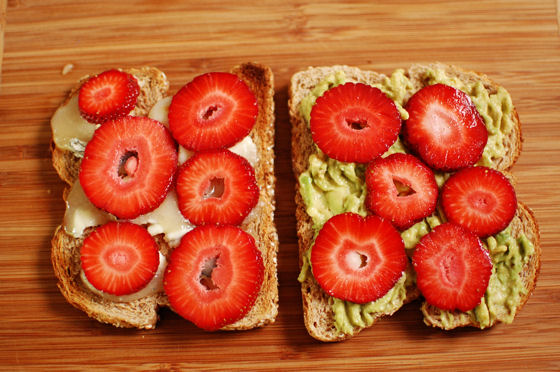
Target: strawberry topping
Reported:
point(108, 96)
point(480, 199)
point(128, 166)
point(453, 268)
point(215, 110)
point(444, 128)
point(216, 188)
point(401, 189)
point(119, 258)
point(358, 259)
point(214, 276)
point(354, 123)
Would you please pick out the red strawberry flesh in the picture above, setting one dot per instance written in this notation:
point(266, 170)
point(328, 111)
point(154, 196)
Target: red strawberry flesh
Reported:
point(216, 188)
point(444, 128)
point(480, 199)
point(213, 111)
point(358, 259)
point(401, 189)
point(354, 123)
point(214, 276)
point(119, 258)
point(108, 96)
point(128, 166)
point(453, 268)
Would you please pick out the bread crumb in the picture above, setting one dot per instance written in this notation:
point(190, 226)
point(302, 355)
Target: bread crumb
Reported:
point(67, 68)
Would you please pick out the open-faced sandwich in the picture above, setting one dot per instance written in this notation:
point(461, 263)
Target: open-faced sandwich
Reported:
point(170, 199)
point(403, 191)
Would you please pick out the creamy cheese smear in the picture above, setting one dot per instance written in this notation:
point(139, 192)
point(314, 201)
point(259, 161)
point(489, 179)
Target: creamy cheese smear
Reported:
point(72, 132)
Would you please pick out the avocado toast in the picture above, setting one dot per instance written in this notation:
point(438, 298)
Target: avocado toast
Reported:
point(326, 187)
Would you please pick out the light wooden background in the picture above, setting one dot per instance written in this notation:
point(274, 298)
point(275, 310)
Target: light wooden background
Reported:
point(516, 42)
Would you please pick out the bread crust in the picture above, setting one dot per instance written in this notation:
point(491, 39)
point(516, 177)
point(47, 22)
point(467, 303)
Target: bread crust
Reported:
point(143, 313)
point(318, 314)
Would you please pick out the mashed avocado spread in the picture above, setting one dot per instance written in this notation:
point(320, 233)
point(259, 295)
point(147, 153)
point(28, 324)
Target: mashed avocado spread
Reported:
point(330, 187)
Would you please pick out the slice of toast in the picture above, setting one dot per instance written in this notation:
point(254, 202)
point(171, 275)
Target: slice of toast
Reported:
point(317, 305)
point(143, 312)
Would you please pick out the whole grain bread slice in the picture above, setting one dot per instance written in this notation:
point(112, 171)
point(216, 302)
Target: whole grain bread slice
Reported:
point(143, 313)
point(317, 305)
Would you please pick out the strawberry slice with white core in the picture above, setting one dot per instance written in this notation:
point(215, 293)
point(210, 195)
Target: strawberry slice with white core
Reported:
point(453, 268)
point(215, 110)
point(480, 199)
point(119, 258)
point(401, 189)
point(216, 188)
point(214, 276)
point(108, 96)
point(358, 259)
point(444, 128)
point(354, 123)
point(128, 166)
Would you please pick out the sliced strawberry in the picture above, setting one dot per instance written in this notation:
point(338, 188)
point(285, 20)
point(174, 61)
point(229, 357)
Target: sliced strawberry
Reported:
point(444, 128)
point(401, 189)
point(215, 110)
point(358, 259)
point(128, 166)
point(108, 96)
point(480, 199)
point(119, 258)
point(214, 276)
point(216, 188)
point(354, 123)
point(453, 268)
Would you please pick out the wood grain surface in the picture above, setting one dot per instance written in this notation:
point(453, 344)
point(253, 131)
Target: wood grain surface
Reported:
point(515, 42)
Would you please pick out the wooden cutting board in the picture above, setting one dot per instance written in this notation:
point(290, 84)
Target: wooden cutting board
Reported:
point(515, 42)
